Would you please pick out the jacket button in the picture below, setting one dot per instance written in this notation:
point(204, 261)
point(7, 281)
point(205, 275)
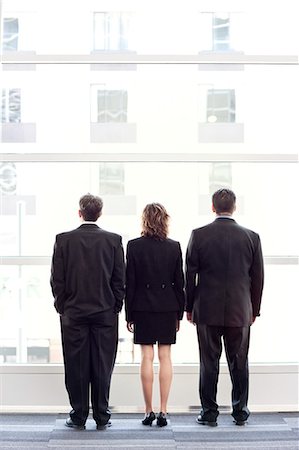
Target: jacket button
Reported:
point(147, 286)
point(163, 286)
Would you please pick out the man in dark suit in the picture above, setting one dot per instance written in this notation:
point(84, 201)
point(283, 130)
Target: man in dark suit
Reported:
point(87, 280)
point(224, 275)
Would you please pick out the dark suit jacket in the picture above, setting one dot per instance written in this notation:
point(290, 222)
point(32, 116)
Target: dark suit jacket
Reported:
point(224, 274)
point(155, 279)
point(88, 271)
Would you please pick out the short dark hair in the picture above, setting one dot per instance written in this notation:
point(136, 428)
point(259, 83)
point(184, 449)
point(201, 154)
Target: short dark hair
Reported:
point(155, 221)
point(224, 200)
point(90, 207)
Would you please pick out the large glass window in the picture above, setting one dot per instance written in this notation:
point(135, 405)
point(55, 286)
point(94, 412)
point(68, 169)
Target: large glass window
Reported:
point(139, 104)
point(33, 215)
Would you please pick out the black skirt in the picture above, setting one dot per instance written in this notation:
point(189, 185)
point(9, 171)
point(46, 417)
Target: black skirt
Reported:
point(155, 327)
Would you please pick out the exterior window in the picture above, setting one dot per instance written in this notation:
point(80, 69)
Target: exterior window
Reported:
point(112, 106)
point(35, 354)
point(112, 31)
point(112, 179)
point(221, 105)
point(8, 354)
point(11, 105)
point(220, 176)
point(10, 34)
point(221, 31)
point(38, 351)
point(8, 178)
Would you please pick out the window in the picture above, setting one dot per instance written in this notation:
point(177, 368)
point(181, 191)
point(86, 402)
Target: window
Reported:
point(146, 135)
point(221, 28)
point(109, 115)
point(10, 34)
point(221, 31)
point(220, 176)
point(8, 178)
point(111, 179)
point(24, 285)
point(221, 105)
point(112, 106)
point(11, 105)
point(112, 30)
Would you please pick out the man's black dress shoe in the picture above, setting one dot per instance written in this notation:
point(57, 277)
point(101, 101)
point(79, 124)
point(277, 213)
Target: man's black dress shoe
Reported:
point(161, 420)
point(202, 420)
point(101, 426)
point(240, 423)
point(70, 424)
point(149, 418)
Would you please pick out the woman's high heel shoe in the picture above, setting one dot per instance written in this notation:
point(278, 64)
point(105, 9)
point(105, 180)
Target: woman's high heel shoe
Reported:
point(161, 420)
point(149, 418)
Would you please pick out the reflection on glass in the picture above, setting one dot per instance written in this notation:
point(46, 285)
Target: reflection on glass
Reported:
point(11, 105)
point(112, 31)
point(221, 31)
point(221, 26)
point(221, 105)
point(111, 179)
point(112, 106)
point(220, 176)
point(10, 34)
point(18, 27)
point(8, 179)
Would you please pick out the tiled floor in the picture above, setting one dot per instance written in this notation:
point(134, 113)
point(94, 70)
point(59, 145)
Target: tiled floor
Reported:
point(42, 431)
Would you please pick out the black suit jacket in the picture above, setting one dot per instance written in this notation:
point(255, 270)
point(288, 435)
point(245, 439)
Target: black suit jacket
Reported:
point(224, 274)
point(88, 271)
point(155, 278)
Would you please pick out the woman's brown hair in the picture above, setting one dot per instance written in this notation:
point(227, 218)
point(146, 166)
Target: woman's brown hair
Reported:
point(155, 221)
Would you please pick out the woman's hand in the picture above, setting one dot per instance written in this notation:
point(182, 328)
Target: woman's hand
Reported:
point(189, 317)
point(130, 327)
point(177, 325)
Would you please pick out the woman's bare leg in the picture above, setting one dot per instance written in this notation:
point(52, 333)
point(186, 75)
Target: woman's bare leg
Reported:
point(147, 375)
point(165, 374)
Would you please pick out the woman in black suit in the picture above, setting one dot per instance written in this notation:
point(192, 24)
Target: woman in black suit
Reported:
point(154, 302)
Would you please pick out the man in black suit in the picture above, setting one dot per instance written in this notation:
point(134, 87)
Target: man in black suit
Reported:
point(87, 280)
point(224, 275)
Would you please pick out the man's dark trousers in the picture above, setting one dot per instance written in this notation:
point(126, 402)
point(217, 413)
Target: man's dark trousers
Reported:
point(236, 343)
point(89, 351)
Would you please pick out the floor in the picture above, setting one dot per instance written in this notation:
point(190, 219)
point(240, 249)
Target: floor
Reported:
point(47, 431)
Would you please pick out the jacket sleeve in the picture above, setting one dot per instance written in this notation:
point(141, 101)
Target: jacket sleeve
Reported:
point(192, 270)
point(130, 284)
point(118, 277)
point(257, 278)
point(179, 283)
point(57, 279)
